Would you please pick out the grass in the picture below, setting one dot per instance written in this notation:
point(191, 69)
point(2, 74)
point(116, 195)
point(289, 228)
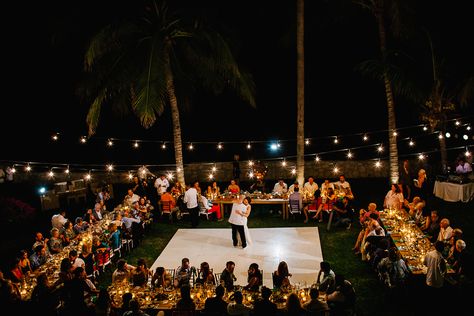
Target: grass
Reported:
point(336, 246)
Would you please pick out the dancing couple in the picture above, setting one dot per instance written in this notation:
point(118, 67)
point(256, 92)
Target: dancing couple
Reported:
point(238, 219)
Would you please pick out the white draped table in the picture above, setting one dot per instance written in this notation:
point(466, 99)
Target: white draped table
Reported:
point(453, 192)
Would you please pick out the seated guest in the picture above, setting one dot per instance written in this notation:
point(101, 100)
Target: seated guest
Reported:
point(431, 226)
point(75, 260)
point(55, 243)
point(98, 211)
point(15, 274)
point(344, 213)
point(141, 273)
point(233, 187)
point(258, 186)
point(393, 271)
point(213, 191)
point(310, 187)
point(43, 298)
point(296, 198)
point(211, 208)
point(205, 275)
point(281, 276)
point(445, 231)
point(80, 226)
point(39, 257)
point(292, 187)
point(457, 234)
point(326, 206)
point(88, 257)
point(67, 233)
point(123, 272)
point(89, 217)
point(343, 297)
point(227, 276)
point(134, 309)
point(237, 307)
point(315, 306)
point(39, 240)
point(185, 302)
point(263, 306)
point(254, 278)
point(315, 205)
point(326, 278)
point(280, 187)
point(410, 206)
point(184, 273)
point(293, 306)
point(216, 306)
point(161, 278)
point(25, 264)
point(394, 198)
point(130, 198)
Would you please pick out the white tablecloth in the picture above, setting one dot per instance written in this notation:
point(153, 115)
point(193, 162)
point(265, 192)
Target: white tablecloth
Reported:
point(453, 192)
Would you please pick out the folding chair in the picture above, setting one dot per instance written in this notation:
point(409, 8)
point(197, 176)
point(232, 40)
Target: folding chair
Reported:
point(166, 210)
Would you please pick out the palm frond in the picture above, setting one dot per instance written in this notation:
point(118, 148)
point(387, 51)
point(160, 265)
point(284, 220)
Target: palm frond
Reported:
point(94, 112)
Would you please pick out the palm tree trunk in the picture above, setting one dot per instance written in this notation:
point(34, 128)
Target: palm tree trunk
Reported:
point(178, 145)
point(300, 91)
point(392, 126)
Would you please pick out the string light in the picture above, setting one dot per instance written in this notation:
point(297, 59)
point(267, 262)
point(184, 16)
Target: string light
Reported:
point(88, 177)
point(135, 144)
point(468, 127)
point(55, 136)
point(467, 153)
point(249, 146)
point(13, 169)
point(380, 148)
point(110, 168)
point(250, 163)
point(349, 154)
point(130, 176)
point(191, 147)
point(448, 134)
point(457, 123)
point(178, 169)
point(421, 157)
point(465, 137)
point(395, 134)
point(317, 159)
point(28, 168)
point(214, 169)
point(211, 176)
point(67, 170)
point(251, 175)
point(365, 138)
point(110, 143)
point(283, 163)
point(293, 171)
point(307, 142)
point(51, 174)
point(219, 146)
point(411, 143)
point(335, 169)
point(425, 128)
point(440, 136)
point(83, 139)
point(336, 140)
point(378, 164)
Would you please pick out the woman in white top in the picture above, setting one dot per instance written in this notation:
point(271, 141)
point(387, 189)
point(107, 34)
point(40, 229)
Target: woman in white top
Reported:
point(394, 198)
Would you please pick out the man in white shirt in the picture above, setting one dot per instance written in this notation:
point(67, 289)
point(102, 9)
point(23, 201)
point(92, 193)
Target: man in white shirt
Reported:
point(445, 231)
point(280, 187)
point(191, 200)
point(58, 220)
point(161, 184)
point(342, 183)
point(436, 266)
point(310, 187)
point(130, 198)
point(463, 167)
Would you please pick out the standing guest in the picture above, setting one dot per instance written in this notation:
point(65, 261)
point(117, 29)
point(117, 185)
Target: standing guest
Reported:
point(161, 184)
point(238, 221)
point(115, 241)
point(216, 306)
point(58, 220)
point(314, 306)
point(280, 187)
point(137, 187)
point(394, 198)
point(406, 179)
point(227, 276)
point(436, 270)
point(236, 168)
point(263, 306)
point(463, 167)
point(191, 200)
point(310, 187)
point(281, 276)
point(420, 185)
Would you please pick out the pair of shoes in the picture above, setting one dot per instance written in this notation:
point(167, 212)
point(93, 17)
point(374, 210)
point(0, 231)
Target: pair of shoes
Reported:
point(314, 217)
point(349, 226)
point(320, 221)
point(357, 252)
point(305, 221)
point(243, 247)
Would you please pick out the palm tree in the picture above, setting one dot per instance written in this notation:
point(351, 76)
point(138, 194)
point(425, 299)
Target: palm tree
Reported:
point(300, 90)
point(381, 9)
point(157, 60)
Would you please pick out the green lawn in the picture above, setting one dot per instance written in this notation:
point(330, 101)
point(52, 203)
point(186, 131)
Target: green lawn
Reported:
point(336, 246)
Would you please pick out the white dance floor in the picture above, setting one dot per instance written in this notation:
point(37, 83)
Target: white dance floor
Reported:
point(300, 247)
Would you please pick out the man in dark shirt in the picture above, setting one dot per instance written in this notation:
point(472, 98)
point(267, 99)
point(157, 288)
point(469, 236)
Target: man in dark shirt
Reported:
point(264, 306)
point(228, 277)
point(216, 306)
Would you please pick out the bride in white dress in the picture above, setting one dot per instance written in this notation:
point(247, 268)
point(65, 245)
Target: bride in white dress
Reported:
point(246, 213)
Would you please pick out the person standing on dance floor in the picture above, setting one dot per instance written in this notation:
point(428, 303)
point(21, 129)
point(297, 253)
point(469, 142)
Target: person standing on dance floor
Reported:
point(238, 221)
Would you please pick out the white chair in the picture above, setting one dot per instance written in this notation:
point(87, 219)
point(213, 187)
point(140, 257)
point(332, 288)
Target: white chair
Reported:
point(294, 207)
point(203, 210)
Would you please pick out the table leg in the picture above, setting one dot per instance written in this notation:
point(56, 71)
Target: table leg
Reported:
point(285, 211)
point(331, 213)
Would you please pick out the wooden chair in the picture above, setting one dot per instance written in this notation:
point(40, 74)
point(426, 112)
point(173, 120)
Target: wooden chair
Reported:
point(217, 277)
point(171, 272)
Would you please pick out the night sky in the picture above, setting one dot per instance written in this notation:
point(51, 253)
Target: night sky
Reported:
point(44, 45)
